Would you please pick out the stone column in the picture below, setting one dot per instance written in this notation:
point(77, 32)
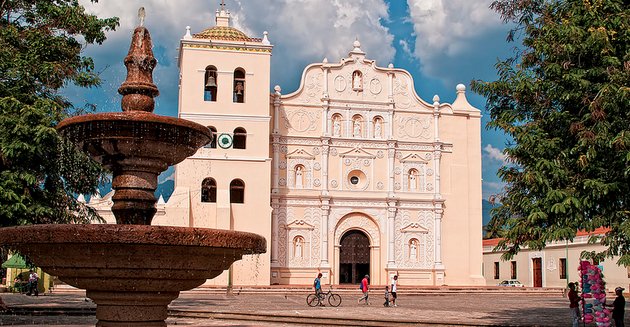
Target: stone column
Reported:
point(391, 153)
point(391, 233)
point(438, 236)
point(390, 112)
point(274, 163)
point(325, 217)
point(276, 107)
point(437, 155)
point(274, 231)
point(325, 152)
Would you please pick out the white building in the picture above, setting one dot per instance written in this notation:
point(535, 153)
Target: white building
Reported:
point(351, 174)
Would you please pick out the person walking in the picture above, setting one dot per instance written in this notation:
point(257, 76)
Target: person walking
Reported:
point(365, 289)
point(317, 285)
point(574, 305)
point(619, 305)
point(392, 289)
point(33, 277)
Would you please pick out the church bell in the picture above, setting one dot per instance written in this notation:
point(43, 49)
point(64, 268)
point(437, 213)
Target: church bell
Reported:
point(211, 82)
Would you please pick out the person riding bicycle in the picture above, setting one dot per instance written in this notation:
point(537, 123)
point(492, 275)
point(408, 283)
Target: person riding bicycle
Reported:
point(317, 285)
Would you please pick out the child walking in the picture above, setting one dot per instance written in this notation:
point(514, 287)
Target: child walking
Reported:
point(386, 304)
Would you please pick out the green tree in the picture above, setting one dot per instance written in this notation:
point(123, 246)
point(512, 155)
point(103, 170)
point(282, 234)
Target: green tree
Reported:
point(40, 54)
point(564, 100)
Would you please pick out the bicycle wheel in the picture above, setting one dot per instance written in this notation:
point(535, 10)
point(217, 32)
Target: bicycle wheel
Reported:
point(312, 300)
point(334, 300)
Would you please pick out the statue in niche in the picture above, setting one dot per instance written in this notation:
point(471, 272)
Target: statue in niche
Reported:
point(336, 126)
point(298, 176)
point(357, 128)
point(412, 180)
point(413, 251)
point(356, 80)
point(297, 252)
point(377, 128)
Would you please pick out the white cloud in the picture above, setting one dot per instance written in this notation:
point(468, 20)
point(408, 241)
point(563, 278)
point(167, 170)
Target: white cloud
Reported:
point(452, 38)
point(405, 46)
point(495, 153)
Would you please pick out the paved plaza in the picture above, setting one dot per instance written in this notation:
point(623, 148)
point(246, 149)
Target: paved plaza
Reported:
point(288, 308)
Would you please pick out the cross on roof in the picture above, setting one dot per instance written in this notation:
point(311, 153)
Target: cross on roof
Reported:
point(222, 5)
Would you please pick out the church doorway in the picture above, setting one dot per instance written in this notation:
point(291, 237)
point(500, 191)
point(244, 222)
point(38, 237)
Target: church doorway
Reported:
point(354, 257)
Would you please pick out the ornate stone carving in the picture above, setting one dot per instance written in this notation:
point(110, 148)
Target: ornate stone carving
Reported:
point(284, 149)
point(366, 162)
point(282, 181)
point(397, 170)
point(333, 152)
point(334, 183)
point(414, 126)
point(282, 165)
point(429, 186)
point(375, 86)
point(300, 119)
point(380, 185)
point(380, 154)
point(429, 172)
point(361, 222)
point(397, 186)
point(401, 93)
point(315, 150)
point(317, 166)
point(347, 161)
point(428, 157)
point(317, 182)
point(312, 87)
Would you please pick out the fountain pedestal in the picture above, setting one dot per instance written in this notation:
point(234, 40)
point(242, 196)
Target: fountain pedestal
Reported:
point(133, 270)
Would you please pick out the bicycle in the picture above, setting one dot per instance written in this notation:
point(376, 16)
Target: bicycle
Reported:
point(314, 300)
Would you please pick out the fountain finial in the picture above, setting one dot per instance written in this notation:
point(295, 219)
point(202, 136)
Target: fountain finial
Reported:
point(141, 14)
point(138, 89)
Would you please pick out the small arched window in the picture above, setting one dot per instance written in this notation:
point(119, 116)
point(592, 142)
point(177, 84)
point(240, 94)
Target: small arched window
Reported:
point(237, 191)
point(210, 84)
point(209, 190)
point(240, 138)
point(239, 85)
point(213, 143)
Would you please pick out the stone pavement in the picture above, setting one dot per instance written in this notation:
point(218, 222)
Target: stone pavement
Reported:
point(288, 308)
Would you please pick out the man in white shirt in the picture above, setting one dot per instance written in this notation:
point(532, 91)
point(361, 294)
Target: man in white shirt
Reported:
point(393, 290)
point(32, 283)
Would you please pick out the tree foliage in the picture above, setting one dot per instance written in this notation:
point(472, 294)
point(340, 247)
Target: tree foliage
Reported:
point(565, 102)
point(40, 53)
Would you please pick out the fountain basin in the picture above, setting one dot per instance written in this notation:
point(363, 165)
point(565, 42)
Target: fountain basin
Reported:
point(131, 272)
point(136, 146)
point(112, 138)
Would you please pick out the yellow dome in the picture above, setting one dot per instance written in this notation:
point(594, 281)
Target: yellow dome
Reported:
point(223, 33)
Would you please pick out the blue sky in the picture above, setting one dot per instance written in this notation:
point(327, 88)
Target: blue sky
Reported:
point(440, 42)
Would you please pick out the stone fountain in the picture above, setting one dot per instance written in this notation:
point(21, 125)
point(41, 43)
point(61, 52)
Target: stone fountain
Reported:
point(133, 270)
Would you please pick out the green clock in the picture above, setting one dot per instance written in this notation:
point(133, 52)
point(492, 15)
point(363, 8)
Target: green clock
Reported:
point(224, 141)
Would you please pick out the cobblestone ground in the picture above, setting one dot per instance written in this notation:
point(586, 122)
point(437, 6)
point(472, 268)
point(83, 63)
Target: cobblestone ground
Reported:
point(439, 310)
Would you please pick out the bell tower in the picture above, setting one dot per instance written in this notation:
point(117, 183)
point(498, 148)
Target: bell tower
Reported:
point(224, 84)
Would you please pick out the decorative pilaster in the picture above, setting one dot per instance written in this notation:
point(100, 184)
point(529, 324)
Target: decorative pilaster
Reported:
point(391, 154)
point(438, 236)
point(437, 155)
point(326, 123)
point(274, 231)
point(325, 218)
point(436, 116)
point(390, 100)
point(325, 152)
point(276, 108)
point(274, 163)
point(391, 233)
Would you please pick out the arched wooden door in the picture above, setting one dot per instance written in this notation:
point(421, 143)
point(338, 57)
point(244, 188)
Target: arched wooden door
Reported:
point(354, 257)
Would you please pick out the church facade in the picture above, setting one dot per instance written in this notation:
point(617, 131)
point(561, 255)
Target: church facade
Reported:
point(351, 175)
